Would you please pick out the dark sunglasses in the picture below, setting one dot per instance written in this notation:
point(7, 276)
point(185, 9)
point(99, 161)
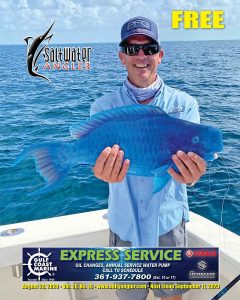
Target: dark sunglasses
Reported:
point(148, 49)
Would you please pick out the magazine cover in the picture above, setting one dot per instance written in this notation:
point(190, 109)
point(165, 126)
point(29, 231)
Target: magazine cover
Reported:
point(119, 150)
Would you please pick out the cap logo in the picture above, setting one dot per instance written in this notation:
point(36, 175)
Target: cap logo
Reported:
point(138, 24)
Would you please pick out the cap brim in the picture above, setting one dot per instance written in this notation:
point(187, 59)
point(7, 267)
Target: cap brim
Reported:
point(124, 41)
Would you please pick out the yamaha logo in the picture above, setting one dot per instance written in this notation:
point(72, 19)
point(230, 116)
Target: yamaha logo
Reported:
point(189, 253)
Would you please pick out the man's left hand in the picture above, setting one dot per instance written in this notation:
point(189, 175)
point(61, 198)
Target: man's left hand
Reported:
point(191, 167)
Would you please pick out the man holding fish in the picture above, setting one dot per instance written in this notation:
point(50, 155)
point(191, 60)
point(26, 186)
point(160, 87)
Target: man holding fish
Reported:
point(137, 216)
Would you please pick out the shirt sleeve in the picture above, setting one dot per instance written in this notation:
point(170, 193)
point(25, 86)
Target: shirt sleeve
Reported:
point(193, 112)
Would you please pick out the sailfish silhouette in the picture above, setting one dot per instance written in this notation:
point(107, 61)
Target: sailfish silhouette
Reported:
point(33, 54)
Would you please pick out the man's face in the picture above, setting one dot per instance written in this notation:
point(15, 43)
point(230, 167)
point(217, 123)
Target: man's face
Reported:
point(142, 69)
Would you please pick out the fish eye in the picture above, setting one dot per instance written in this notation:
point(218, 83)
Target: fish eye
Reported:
point(195, 139)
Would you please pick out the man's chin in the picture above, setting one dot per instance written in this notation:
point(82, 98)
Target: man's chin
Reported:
point(144, 81)
point(141, 79)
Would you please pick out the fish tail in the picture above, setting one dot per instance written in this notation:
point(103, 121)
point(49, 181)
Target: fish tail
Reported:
point(53, 162)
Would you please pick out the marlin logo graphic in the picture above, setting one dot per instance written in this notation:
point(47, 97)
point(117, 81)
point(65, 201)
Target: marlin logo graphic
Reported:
point(33, 54)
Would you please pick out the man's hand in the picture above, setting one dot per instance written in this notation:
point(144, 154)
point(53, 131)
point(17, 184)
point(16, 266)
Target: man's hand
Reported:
point(190, 165)
point(110, 166)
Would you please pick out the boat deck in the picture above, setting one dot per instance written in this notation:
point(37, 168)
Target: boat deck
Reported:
point(91, 230)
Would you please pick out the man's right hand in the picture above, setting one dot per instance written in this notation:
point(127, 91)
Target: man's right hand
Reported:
point(110, 166)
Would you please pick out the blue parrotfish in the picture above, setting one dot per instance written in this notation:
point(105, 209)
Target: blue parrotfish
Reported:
point(147, 135)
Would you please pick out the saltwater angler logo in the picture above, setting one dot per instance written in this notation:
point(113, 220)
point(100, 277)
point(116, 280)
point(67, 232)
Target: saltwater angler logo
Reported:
point(37, 266)
point(55, 58)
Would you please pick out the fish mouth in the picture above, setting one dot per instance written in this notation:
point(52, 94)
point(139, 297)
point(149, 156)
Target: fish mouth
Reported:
point(210, 156)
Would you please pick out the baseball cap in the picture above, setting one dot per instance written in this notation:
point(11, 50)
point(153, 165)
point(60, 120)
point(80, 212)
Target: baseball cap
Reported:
point(139, 25)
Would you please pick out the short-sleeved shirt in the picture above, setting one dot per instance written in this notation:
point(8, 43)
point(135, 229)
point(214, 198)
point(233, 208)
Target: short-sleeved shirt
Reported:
point(135, 214)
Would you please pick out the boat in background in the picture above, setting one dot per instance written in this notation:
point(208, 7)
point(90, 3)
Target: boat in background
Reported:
point(91, 230)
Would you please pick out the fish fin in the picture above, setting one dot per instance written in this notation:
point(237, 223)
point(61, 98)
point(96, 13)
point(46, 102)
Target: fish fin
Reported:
point(161, 178)
point(79, 130)
point(28, 38)
point(135, 112)
point(52, 163)
point(45, 189)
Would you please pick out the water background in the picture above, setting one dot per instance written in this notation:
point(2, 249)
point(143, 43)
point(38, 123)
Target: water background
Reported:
point(34, 111)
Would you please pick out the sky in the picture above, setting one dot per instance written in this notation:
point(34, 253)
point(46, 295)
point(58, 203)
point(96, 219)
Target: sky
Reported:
point(94, 21)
